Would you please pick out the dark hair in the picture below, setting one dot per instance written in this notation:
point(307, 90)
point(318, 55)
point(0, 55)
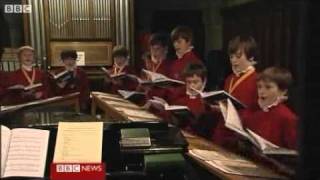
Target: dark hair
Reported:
point(120, 51)
point(195, 69)
point(69, 53)
point(146, 55)
point(183, 32)
point(247, 43)
point(159, 39)
point(281, 76)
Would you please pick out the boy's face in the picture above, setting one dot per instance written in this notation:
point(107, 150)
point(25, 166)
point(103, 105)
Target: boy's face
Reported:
point(147, 63)
point(158, 52)
point(181, 45)
point(69, 63)
point(120, 60)
point(239, 61)
point(194, 82)
point(26, 57)
point(268, 92)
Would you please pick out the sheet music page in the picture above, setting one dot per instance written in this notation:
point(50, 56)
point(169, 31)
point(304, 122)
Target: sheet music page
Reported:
point(233, 116)
point(32, 86)
point(210, 155)
point(5, 139)
point(155, 76)
point(162, 101)
point(125, 94)
point(210, 93)
point(175, 107)
point(232, 119)
point(79, 142)
point(137, 113)
point(234, 167)
point(223, 109)
point(263, 143)
point(139, 119)
point(27, 153)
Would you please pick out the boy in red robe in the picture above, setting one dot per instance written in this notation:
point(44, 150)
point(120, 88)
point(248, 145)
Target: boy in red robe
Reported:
point(272, 119)
point(195, 76)
point(27, 75)
point(120, 65)
point(78, 83)
point(241, 83)
point(157, 62)
point(181, 37)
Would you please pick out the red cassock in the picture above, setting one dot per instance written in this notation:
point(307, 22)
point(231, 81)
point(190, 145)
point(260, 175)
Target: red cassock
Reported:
point(246, 92)
point(203, 120)
point(180, 64)
point(80, 84)
point(177, 67)
point(122, 84)
point(278, 125)
point(18, 78)
point(164, 69)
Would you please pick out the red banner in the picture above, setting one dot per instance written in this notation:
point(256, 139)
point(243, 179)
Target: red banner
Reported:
point(77, 171)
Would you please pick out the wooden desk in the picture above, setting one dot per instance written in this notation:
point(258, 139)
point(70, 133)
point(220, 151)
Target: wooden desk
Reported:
point(196, 142)
point(111, 106)
point(67, 100)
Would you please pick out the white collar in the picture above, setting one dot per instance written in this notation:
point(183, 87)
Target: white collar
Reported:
point(243, 71)
point(27, 68)
point(279, 100)
point(181, 55)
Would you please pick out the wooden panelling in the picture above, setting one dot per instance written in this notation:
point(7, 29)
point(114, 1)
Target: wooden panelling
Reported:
point(96, 53)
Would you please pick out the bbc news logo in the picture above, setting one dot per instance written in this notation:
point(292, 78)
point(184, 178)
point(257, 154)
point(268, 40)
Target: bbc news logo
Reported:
point(77, 168)
point(17, 8)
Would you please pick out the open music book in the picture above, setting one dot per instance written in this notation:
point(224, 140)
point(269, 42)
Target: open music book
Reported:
point(233, 122)
point(157, 79)
point(65, 75)
point(178, 111)
point(161, 103)
point(23, 152)
point(231, 164)
point(214, 96)
point(114, 76)
point(132, 95)
point(24, 88)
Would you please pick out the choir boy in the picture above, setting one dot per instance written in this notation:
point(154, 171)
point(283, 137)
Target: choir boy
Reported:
point(241, 83)
point(272, 119)
point(195, 76)
point(182, 38)
point(120, 56)
point(158, 61)
point(27, 75)
point(79, 81)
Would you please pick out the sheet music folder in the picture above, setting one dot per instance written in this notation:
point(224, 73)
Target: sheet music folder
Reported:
point(164, 139)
